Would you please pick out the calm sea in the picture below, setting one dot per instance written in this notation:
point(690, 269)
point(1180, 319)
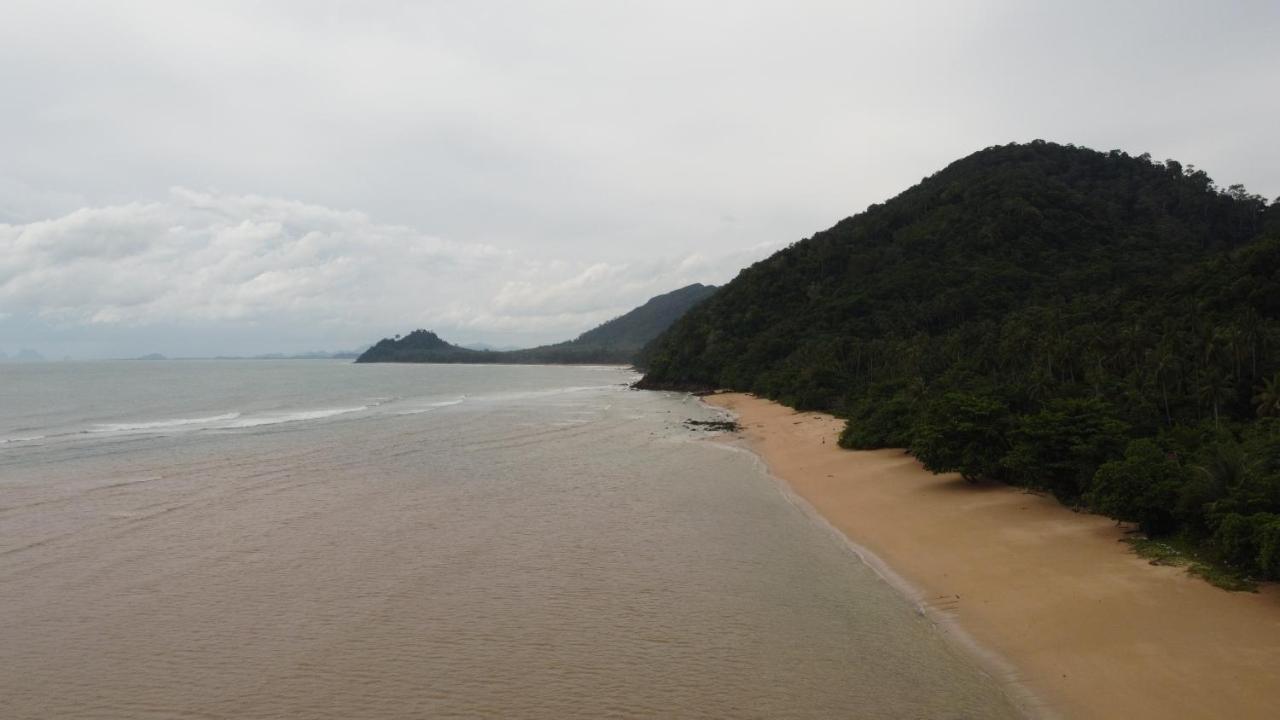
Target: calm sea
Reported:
point(314, 539)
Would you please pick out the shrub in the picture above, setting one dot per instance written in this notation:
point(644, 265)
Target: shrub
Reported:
point(965, 433)
point(1141, 488)
point(1250, 542)
point(1061, 446)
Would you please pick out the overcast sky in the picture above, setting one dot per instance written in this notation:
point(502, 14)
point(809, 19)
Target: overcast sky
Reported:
point(246, 177)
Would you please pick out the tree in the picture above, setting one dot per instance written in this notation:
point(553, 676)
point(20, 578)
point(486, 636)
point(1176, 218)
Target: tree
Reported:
point(1141, 488)
point(1048, 305)
point(1217, 388)
point(965, 433)
point(1061, 446)
point(1267, 397)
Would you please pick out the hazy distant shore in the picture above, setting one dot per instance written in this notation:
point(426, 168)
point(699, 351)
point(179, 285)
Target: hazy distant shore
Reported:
point(1068, 613)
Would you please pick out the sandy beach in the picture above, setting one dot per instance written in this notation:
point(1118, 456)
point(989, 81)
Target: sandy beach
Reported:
point(1065, 615)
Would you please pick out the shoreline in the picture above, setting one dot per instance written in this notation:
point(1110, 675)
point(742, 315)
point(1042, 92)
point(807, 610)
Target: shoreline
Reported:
point(1070, 621)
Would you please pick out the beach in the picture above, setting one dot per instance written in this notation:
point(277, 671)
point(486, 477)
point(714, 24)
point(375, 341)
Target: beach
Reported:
point(1063, 614)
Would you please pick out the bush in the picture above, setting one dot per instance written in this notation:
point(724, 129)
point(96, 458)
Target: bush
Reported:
point(965, 433)
point(1141, 488)
point(1234, 540)
point(1060, 447)
point(1250, 542)
point(880, 420)
point(1268, 539)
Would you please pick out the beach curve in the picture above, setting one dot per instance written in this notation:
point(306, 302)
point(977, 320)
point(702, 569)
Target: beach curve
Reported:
point(1066, 616)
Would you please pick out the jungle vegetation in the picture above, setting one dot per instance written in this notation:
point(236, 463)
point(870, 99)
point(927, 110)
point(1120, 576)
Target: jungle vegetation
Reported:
point(1097, 325)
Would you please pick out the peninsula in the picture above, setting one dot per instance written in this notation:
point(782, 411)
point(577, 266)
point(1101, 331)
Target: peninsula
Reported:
point(617, 341)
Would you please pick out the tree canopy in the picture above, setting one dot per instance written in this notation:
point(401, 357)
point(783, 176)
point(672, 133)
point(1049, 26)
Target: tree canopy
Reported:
point(1094, 324)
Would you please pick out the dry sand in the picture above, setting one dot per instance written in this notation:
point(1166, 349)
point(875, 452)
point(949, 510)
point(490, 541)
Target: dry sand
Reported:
point(1074, 622)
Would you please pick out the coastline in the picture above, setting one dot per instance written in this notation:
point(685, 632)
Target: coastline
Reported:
point(1067, 618)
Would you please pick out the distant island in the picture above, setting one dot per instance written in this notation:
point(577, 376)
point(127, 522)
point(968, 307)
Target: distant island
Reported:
point(1097, 325)
point(618, 341)
point(23, 355)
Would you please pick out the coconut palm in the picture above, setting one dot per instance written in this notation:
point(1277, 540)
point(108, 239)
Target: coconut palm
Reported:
point(1267, 397)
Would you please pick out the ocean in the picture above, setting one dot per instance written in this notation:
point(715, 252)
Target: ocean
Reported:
point(319, 539)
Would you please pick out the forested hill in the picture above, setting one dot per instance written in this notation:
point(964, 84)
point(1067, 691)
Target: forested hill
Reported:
point(616, 341)
point(1099, 325)
point(633, 331)
point(421, 346)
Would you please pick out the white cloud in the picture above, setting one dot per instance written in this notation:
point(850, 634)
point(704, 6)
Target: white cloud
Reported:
point(223, 261)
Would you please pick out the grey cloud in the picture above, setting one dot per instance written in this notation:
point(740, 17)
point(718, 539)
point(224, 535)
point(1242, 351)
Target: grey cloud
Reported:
point(219, 260)
point(586, 133)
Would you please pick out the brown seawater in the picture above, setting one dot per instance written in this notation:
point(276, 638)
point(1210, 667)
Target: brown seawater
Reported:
point(324, 540)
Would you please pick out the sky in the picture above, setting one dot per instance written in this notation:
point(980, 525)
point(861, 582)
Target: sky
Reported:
point(243, 177)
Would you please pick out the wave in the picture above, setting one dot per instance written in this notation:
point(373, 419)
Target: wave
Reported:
point(277, 419)
point(224, 421)
point(23, 438)
point(428, 407)
point(231, 421)
point(550, 392)
point(161, 424)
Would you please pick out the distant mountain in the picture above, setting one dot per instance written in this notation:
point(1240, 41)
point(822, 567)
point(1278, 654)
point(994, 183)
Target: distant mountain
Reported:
point(152, 356)
point(616, 341)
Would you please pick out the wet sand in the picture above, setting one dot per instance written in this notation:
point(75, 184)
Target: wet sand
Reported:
point(1064, 614)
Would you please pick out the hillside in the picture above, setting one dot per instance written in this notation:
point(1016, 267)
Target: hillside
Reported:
point(1094, 324)
point(421, 346)
point(616, 341)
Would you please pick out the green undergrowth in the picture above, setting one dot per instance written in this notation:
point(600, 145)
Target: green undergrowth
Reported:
point(1178, 552)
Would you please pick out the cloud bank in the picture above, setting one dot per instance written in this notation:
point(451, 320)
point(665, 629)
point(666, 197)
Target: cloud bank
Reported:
point(220, 262)
point(516, 161)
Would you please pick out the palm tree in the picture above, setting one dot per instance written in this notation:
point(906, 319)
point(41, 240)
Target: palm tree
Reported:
point(1251, 328)
point(1216, 389)
point(1165, 358)
point(1268, 397)
point(1227, 467)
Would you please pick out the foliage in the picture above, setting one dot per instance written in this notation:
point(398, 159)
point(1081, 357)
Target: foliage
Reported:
point(1141, 488)
point(1025, 314)
point(1179, 552)
point(1059, 447)
point(882, 416)
point(957, 433)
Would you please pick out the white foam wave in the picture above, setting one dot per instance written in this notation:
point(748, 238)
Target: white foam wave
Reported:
point(428, 407)
point(23, 438)
point(278, 418)
point(161, 424)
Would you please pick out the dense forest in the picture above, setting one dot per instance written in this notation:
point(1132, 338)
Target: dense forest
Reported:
point(1096, 325)
point(616, 341)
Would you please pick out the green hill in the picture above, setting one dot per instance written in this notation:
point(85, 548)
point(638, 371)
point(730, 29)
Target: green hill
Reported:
point(616, 341)
point(422, 346)
point(1094, 324)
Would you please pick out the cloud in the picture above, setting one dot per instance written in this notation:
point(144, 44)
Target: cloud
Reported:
point(225, 261)
point(536, 167)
